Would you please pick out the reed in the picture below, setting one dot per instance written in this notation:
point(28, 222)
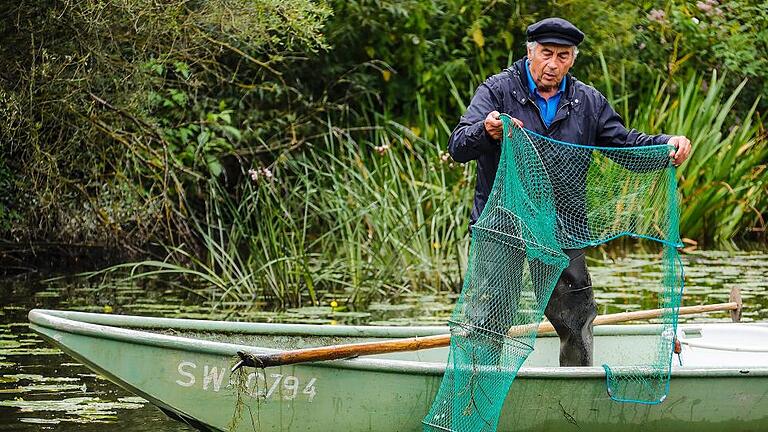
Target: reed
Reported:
point(723, 184)
point(375, 212)
point(362, 215)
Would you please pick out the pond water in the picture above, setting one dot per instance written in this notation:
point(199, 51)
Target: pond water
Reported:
point(44, 389)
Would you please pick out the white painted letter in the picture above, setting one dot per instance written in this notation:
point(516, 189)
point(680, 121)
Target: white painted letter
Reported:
point(252, 384)
point(187, 375)
point(212, 376)
point(310, 390)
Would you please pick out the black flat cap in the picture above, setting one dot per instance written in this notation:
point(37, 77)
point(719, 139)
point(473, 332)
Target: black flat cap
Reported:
point(554, 31)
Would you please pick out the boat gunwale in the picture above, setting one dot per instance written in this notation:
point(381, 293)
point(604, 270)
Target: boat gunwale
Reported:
point(67, 321)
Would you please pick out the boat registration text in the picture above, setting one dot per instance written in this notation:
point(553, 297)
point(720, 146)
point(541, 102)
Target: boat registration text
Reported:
point(257, 384)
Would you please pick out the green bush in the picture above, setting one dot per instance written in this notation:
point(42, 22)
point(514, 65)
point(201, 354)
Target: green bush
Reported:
point(118, 115)
point(730, 36)
point(138, 102)
point(723, 184)
point(421, 47)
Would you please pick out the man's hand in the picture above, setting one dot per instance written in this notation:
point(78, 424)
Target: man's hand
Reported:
point(494, 126)
point(682, 149)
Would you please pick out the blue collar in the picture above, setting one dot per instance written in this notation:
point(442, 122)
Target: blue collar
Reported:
point(532, 85)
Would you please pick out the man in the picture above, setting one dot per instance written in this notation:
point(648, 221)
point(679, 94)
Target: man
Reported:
point(539, 94)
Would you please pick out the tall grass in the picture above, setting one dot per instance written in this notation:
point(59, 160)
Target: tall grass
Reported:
point(724, 184)
point(375, 212)
point(363, 215)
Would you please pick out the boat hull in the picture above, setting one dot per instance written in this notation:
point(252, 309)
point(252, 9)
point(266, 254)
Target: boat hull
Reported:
point(189, 379)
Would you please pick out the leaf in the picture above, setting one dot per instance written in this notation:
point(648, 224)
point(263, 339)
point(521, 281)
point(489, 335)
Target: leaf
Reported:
point(185, 134)
point(179, 97)
point(182, 69)
point(218, 144)
point(214, 166)
point(477, 36)
point(232, 132)
point(203, 138)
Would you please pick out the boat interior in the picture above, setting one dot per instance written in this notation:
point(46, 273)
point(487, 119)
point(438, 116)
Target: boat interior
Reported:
point(710, 345)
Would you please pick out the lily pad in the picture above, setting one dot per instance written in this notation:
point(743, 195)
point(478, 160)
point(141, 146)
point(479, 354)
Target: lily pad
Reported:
point(390, 307)
point(311, 310)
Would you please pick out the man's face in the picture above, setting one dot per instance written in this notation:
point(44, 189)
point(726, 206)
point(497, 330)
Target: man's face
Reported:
point(549, 64)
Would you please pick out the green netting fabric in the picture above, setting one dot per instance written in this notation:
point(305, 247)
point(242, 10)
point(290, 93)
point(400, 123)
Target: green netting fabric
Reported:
point(549, 196)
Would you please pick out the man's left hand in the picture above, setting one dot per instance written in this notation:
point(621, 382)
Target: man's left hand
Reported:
point(682, 149)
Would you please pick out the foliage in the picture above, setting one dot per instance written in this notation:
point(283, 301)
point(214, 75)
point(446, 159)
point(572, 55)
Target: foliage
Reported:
point(139, 101)
point(730, 35)
point(366, 215)
point(133, 122)
point(723, 182)
point(724, 187)
point(423, 46)
point(8, 215)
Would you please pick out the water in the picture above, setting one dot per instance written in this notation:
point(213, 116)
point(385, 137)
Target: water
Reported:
point(44, 389)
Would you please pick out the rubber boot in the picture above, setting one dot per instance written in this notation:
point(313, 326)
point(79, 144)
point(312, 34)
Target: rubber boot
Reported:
point(571, 310)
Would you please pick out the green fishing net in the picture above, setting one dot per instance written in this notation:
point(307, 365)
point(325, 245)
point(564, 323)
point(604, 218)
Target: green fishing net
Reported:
point(549, 196)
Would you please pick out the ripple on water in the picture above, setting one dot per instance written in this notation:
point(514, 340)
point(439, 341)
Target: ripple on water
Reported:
point(40, 386)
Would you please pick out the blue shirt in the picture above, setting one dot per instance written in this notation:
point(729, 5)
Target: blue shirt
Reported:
point(547, 107)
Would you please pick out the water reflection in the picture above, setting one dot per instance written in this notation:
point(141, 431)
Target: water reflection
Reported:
point(43, 389)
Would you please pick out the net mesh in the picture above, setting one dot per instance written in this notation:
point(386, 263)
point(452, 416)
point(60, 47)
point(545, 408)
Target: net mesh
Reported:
point(549, 196)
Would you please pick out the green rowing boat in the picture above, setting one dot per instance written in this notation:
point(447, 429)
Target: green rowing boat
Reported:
point(719, 382)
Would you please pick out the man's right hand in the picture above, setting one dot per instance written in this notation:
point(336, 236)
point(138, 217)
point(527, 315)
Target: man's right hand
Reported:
point(494, 126)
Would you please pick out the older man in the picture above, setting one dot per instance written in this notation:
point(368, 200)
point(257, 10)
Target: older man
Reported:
point(538, 93)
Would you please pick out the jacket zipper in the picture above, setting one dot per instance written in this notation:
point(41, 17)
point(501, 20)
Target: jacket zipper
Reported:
point(542, 117)
point(558, 120)
point(538, 110)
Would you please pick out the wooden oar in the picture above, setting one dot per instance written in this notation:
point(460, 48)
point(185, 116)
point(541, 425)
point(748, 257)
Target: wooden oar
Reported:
point(336, 352)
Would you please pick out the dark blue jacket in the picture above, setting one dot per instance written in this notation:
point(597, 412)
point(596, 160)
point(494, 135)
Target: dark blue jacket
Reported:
point(583, 116)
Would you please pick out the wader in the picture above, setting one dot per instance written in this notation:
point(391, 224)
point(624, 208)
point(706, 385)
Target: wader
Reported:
point(571, 310)
point(493, 309)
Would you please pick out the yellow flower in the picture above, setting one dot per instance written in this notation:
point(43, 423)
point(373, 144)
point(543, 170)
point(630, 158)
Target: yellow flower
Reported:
point(334, 304)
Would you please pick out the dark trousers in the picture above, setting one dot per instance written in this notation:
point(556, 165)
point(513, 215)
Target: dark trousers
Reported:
point(571, 310)
point(493, 308)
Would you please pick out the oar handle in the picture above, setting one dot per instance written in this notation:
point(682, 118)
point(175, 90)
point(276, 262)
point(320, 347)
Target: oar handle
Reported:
point(337, 352)
point(655, 313)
